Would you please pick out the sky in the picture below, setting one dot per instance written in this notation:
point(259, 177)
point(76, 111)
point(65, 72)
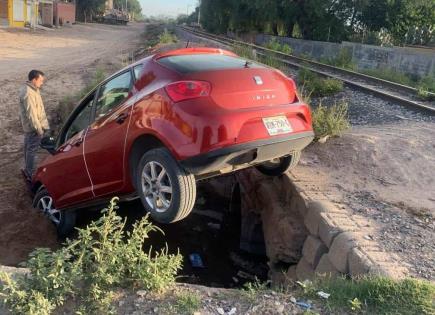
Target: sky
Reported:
point(167, 7)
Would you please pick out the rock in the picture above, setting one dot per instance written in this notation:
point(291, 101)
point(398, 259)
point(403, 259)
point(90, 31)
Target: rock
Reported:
point(359, 263)
point(220, 311)
point(326, 268)
point(313, 250)
point(142, 293)
point(340, 249)
point(304, 271)
point(280, 309)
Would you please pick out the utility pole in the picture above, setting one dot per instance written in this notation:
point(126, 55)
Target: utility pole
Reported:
point(199, 14)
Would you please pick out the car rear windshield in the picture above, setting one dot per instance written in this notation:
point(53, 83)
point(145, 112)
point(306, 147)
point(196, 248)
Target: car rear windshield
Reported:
point(205, 62)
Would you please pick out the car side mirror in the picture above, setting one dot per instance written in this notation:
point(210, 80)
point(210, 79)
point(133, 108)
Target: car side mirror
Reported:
point(49, 143)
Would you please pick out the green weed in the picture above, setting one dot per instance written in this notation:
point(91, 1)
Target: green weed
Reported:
point(390, 75)
point(244, 52)
point(167, 37)
point(102, 258)
point(330, 121)
point(317, 86)
point(273, 44)
point(187, 303)
point(342, 60)
point(380, 296)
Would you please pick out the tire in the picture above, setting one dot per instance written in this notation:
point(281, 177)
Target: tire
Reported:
point(284, 165)
point(63, 220)
point(170, 198)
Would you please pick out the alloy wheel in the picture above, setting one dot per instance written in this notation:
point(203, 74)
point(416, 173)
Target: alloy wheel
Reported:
point(45, 204)
point(156, 186)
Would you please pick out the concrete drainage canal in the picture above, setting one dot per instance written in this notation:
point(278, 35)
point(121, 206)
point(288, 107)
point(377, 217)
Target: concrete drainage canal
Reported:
point(246, 226)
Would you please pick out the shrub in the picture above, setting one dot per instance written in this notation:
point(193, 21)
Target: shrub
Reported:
point(167, 38)
point(390, 75)
point(423, 94)
point(187, 303)
point(286, 49)
point(343, 60)
point(271, 61)
point(273, 44)
point(103, 257)
point(244, 52)
point(427, 83)
point(330, 121)
point(425, 87)
point(317, 86)
point(325, 87)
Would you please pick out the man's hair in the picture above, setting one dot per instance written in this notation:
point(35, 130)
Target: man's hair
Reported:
point(35, 74)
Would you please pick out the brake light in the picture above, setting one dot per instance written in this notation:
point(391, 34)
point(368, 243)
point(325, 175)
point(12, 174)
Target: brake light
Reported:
point(184, 90)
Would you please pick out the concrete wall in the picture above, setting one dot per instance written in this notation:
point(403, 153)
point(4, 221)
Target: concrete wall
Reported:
point(308, 235)
point(414, 61)
point(66, 12)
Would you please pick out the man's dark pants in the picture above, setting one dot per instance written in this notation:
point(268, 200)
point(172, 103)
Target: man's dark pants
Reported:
point(31, 145)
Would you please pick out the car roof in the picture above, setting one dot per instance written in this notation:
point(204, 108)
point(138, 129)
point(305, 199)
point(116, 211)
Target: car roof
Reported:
point(194, 51)
point(177, 52)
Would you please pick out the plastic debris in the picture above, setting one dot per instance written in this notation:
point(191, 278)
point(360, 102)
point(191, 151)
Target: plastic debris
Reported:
point(232, 311)
point(196, 260)
point(323, 294)
point(303, 305)
point(221, 311)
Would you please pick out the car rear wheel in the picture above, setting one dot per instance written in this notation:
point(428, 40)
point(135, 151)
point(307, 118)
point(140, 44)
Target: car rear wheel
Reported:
point(279, 166)
point(63, 220)
point(166, 190)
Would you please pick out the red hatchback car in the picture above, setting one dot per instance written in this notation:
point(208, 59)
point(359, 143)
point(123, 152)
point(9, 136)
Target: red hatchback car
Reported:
point(154, 128)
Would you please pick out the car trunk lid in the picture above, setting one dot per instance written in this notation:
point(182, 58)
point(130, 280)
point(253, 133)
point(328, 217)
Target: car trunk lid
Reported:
point(248, 87)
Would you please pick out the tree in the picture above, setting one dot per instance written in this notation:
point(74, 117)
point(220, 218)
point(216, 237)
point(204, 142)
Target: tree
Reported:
point(87, 9)
point(133, 6)
point(332, 20)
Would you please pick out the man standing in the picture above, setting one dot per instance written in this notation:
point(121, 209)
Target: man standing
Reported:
point(33, 119)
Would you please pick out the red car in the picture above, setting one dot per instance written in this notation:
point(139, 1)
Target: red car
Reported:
point(154, 128)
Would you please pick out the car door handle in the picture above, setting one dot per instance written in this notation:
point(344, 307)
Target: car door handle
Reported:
point(121, 118)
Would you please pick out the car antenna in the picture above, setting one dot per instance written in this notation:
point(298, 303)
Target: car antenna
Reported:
point(187, 45)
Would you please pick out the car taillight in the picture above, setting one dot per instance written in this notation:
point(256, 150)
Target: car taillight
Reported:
point(184, 90)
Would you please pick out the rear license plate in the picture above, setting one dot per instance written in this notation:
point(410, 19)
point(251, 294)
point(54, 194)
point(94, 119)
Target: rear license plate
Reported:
point(277, 125)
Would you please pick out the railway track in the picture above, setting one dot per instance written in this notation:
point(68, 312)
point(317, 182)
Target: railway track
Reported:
point(387, 90)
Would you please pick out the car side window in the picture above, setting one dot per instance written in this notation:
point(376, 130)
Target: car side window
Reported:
point(137, 71)
point(113, 93)
point(82, 120)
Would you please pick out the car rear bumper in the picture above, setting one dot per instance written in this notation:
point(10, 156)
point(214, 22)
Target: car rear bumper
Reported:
point(243, 155)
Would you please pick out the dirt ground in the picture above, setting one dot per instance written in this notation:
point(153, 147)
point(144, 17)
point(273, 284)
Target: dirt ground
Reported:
point(386, 175)
point(68, 56)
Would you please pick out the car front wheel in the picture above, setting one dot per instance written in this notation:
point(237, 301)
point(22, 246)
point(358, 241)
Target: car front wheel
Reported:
point(63, 220)
point(166, 190)
point(279, 166)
